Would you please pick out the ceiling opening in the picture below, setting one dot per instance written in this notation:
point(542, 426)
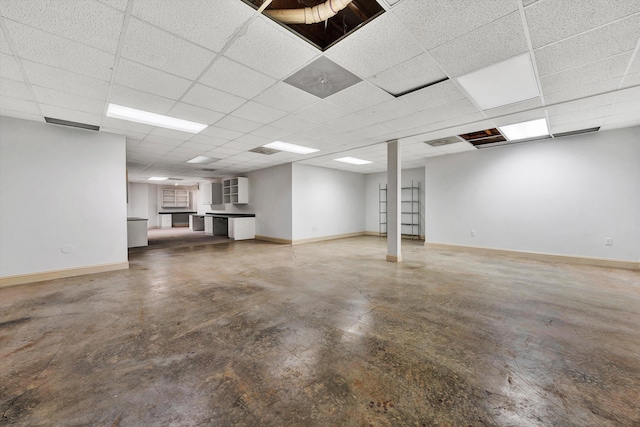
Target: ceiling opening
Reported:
point(325, 33)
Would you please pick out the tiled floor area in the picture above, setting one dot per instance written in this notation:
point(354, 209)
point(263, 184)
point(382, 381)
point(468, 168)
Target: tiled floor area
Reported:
point(324, 334)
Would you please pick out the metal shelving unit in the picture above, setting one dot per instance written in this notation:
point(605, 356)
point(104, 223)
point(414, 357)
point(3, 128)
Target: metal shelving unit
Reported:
point(410, 210)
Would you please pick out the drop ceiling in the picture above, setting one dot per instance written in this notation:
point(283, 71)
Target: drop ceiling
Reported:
point(225, 65)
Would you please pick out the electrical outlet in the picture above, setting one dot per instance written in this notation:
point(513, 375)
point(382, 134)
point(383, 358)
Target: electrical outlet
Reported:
point(608, 241)
point(473, 233)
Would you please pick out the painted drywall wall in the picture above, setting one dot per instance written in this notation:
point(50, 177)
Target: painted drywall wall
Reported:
point(62, 198)
point(138, 200)
point(270, 200)
point(563, 196)
point(327, 202)
point(410, 177)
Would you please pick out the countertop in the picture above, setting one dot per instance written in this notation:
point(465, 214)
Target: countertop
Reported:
point(177, 213)
point(135, 218)
point(230, 215)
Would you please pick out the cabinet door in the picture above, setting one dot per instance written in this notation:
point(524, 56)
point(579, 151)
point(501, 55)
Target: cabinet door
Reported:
point(166, 221)
point(205, 193)
point(208, 225)
point(243, 190)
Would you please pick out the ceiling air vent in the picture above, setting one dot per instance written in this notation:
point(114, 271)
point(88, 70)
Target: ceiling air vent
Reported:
point(322, 78)
point(264, 150)
point(576, 132)
point(483, 138)
point(443, 141)
point(72, 124)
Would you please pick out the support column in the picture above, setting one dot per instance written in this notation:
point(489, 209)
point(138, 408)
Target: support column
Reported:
point(394, 190)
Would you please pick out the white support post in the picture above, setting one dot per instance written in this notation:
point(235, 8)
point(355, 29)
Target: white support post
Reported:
point(394, 182)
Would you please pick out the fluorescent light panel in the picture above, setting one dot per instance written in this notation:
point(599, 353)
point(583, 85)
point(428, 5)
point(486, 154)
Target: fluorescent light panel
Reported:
point(353, 161)
point(201, 160)
point(525, 130)
point(158, 178)
point(291, 148)
point(501, 84)
point(153, 119)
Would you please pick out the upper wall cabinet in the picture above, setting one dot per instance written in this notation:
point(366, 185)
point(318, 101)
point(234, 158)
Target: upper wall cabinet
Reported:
point(235, 190)
point(211, 193)
point(175, 198)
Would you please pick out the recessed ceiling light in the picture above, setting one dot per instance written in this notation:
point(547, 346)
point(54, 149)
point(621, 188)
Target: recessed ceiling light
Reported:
point(525, 130)
point(202, 160)
point(158, 178)
point(291, 148)
point(153, 119)
point(501, 84)
point(353, 161)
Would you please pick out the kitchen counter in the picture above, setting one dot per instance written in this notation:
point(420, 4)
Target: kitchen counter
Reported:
point(231, 215)
point(170, 219)
point(235, 225)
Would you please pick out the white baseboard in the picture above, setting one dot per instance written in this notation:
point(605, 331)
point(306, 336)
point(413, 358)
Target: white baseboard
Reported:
point(61, 274)
point(601, 262)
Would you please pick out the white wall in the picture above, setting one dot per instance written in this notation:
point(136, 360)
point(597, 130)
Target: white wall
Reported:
point(327, 202)
point(562, 196)
point(270, 200)
point(60, 186)
point(373, 182)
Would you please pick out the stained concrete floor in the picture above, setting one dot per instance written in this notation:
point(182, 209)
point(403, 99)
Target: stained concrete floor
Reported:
point(323, 334)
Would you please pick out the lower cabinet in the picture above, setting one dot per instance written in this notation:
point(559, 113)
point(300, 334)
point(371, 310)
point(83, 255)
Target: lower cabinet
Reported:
point(242, 228)
point(208, 225)
point(166, 221)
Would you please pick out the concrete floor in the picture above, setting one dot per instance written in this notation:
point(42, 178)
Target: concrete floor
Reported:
point(323, 334)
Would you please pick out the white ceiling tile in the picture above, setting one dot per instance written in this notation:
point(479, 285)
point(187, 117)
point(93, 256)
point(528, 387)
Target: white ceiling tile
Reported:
point(156, 148)
point(579, 116)
point(223, 151)
point(352, 122)
point(322, 132)
point(141, 100)
point(462, 107)
point(414, 73)
point(129, 134)
point(18, 105)
point(195, 114)
point(388, 110)
point(372, 131)
point(514, 108)
point(635, 66)
point(603, 42)
point(432, 96)
point(125, 125)
point(140, 77)
point(158, 49)
point(630, 94)
point(618, 125)
point(630, 117)
point(20, 115)
point(321, 112)
point(10, 68)
point(118, 4)
point(221, 133)
point(409, 121)
point(59, 52)
point(582, 92)
point(359, 96)
point(631, 80)
point(4, 46)
point(487, 45)
point(207, 23)
point(65, 81)
point(581, 104)
point(437, 22)
point(523, 116)
point(551, 21)
point(258, 113)
point(171, 133)
point(585, 75)
point(212, 99)
point(271, 132)
point(87, 22)
point(168, 142)
point(285, 97)
point(238, 124)
point(254, 140)
point(71, 115)
point(64, 99)
point(376, 47)
point(15, 89)
point(208, 140)
point(234, 78)
point(294, 123)
point(268, 47)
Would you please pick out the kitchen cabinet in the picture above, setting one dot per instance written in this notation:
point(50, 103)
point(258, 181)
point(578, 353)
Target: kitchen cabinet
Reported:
point(175, 198)
point(235, 190)
point(242, 228)
point(211, 193)
point(166, 221)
